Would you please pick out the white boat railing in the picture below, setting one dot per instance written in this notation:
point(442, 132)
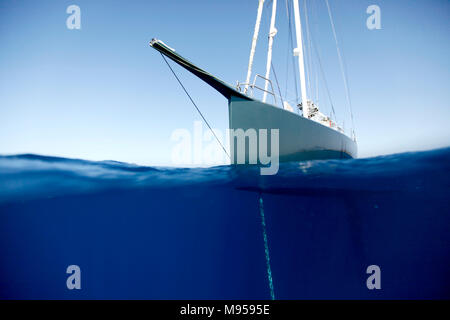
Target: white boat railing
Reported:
point(253, 86)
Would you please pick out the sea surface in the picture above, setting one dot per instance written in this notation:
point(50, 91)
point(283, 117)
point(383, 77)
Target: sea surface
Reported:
point(309, 232)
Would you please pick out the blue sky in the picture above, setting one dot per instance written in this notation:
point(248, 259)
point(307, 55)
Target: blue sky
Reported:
point(101, 93)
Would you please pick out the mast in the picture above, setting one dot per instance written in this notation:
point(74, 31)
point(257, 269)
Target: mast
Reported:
point(299, 52)
point(255, 38)
point(272, 33)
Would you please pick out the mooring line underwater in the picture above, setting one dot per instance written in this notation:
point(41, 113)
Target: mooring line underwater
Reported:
point(266, 246)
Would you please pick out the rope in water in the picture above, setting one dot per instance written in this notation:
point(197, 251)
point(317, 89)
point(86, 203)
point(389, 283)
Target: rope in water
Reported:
point(266, 247)
point(261, 205)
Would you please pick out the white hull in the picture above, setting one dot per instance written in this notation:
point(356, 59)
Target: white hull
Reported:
point(299, 138)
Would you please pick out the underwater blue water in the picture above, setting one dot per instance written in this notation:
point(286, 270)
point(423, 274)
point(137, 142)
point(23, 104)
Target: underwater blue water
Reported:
point(309, 232)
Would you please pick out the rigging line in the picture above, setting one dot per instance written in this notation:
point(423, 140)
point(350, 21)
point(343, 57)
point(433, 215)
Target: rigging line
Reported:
point(315, 30)
point(271, 36)
point(273, 68)
point(198, 110)
point(344, 74)
point(324, 79)
point(287, 62)
point(308, 40)
point(278, 85)
point(292, 48)
point(266, 247)
point(288, 48)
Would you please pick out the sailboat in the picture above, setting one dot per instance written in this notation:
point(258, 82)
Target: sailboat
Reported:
point(307, 136)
